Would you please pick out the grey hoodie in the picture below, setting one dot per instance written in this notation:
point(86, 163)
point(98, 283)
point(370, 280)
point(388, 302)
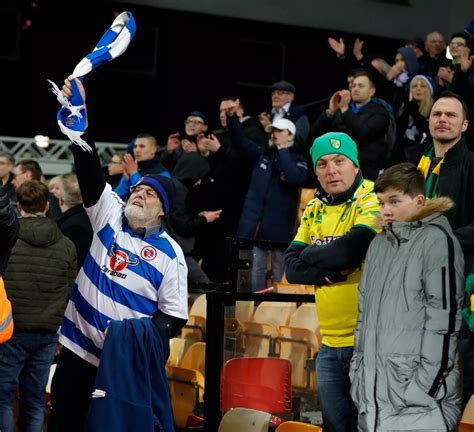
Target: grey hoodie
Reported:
point(405, 368)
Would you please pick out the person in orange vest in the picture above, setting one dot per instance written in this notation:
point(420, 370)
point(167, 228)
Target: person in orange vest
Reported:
point(9, 228)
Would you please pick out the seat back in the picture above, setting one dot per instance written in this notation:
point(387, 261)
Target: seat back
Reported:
point(259, 383)
point(244, 419)
point(244, 311)
point(299, 342)
point(195, 357)
point(306, 195)
point(276, 313)
point(293, 426)
point(199, 307)
point(195, 329)
point(305, 317)
point(177, 349)
point(187, 393)
point(257, 335)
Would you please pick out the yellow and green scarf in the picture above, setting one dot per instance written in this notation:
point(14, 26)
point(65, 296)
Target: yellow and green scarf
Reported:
point(431, 178)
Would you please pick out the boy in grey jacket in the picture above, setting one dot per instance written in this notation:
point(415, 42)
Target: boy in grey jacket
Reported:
point(405, 368)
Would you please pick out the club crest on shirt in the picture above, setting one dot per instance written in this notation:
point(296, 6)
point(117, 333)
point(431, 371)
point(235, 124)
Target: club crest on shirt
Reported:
point(148, 253)
point(119, 260)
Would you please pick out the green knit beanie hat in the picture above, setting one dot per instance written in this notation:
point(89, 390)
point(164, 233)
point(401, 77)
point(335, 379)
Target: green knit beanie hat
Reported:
point(334, 142)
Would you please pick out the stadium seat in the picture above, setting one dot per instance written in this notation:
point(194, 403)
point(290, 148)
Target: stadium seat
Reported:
point(299, 342)
point(244, 419)
point(306, 195)
point(258, 334)
point(258, 383)
point(186, 384)
point(195, 328)
point(177, 350)
point(292, 426)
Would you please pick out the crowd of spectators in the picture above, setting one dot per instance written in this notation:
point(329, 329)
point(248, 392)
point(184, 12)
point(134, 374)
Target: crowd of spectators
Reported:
point(243, 179)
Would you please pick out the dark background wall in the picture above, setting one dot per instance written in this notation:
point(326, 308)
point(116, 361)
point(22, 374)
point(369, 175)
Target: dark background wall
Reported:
point(179, 61)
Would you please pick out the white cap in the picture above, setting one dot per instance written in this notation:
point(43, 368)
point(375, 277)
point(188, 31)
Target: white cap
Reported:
point(284, 124)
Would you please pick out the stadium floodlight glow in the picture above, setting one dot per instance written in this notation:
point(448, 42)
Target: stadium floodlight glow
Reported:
point(42, 141)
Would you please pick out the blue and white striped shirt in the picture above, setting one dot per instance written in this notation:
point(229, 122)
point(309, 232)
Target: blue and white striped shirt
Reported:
point(123, 276)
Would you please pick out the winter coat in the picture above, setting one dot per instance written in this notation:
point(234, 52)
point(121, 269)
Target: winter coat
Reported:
point(456, 181)
point(270, 207)
point(405, 369)
point(75, 225)
point(9, 228)
point(367, 126)
point(40, 274)
point(183, 221)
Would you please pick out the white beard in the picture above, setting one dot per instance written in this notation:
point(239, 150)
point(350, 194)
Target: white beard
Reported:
point(139, 216)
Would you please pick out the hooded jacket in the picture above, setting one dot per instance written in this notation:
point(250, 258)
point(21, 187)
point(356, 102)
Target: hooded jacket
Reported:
point(40, 274)
point(182, 222)
point(405, 369)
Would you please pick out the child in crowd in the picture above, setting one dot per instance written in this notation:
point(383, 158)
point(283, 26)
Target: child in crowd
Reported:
point(405, 368)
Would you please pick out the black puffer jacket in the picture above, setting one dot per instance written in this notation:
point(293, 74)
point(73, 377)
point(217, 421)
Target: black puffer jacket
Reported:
point(9, 228)
point(40, 274)
point(367, 126)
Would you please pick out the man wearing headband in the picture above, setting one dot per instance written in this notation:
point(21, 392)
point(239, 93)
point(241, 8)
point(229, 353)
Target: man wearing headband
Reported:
point(328, 250)
point(133, 271)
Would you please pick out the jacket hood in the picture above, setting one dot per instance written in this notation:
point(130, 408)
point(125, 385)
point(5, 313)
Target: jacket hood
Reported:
point(431, 207)
point(39, 231)
point(410, 60)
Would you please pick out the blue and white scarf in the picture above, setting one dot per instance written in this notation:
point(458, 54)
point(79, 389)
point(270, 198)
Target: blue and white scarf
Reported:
point(71, 117)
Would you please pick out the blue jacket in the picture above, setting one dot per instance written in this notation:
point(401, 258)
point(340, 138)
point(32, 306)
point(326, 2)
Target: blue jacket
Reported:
point(132, 391)
point(272, 200)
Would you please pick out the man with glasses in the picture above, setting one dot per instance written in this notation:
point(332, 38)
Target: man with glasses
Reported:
point(463, 80)
point(283, 106)
point(195, 126)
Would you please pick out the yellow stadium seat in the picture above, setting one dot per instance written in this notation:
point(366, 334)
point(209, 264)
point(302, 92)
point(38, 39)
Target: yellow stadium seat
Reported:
point(299, 342)
point(293, 426)
point(186, 384)
point(258, 334)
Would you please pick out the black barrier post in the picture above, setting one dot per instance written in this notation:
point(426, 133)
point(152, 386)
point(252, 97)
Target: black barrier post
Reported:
point(214, 359)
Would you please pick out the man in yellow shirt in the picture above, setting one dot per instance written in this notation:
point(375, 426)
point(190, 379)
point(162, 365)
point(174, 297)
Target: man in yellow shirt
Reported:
point(328, 251)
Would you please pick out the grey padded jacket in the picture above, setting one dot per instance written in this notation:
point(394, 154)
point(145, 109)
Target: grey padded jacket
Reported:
point(405, 369)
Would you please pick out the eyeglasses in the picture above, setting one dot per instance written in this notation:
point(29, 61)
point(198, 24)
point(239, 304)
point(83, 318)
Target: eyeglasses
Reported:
point(457, 45)
point(193, 122)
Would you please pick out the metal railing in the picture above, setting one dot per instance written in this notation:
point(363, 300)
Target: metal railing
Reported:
point(57, 158)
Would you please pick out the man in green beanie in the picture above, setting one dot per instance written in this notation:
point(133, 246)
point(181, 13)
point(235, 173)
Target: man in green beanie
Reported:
point(328, 251)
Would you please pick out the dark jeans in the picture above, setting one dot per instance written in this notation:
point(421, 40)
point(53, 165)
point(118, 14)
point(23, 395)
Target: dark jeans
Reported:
point(332, 374)
point(71, 392)
point(25, 361)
